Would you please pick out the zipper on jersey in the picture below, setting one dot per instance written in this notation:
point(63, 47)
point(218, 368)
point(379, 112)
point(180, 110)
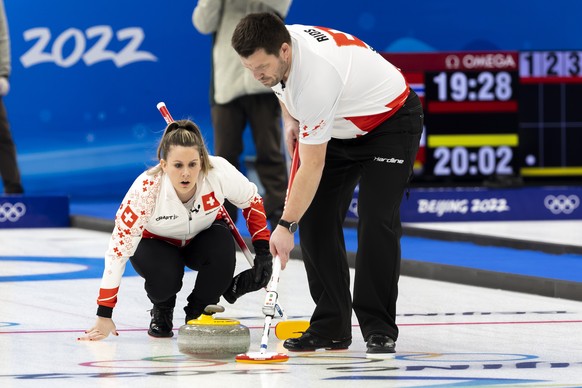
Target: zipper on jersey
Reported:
point(189, 222)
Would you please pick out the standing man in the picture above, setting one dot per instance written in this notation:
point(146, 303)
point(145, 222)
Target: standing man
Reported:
point(357, 122)
point(8, 165)
point(237, 99)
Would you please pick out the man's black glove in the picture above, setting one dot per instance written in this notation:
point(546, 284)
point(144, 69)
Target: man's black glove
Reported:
point(252, 279)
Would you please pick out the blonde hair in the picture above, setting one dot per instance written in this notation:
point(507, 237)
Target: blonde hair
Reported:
point(186, 134)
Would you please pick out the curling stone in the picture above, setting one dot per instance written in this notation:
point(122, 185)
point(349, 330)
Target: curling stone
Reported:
point(207, 336)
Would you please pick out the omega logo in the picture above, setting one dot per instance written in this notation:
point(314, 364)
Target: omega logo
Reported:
point(482, 61)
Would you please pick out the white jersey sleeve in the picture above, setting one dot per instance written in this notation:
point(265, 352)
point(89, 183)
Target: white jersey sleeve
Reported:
point(132, 216)
point(233, 184)
point(338, 86)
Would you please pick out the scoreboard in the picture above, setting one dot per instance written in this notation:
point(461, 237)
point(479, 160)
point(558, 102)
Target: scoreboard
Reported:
point(551, 113)
point(497, 114)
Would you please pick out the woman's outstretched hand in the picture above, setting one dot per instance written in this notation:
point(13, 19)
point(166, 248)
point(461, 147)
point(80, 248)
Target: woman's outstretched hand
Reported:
point(103, 327)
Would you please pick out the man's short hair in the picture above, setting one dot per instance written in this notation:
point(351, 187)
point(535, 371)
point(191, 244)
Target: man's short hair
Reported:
point(260, 31)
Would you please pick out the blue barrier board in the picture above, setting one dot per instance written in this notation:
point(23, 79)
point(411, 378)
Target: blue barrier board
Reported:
point(488, 204)
point(23, 211)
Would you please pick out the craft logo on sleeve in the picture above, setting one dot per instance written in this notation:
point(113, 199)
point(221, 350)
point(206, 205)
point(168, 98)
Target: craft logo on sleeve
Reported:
point(128, 217)
point(209, 201)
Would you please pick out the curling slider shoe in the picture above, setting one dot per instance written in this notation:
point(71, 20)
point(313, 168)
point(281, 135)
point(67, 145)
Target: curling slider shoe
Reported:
point(207, 336)
point(380, 347)
point(380, 356)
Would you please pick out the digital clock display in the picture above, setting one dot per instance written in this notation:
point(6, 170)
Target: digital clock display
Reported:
point(492, 114)
point(479, 161)
point(471, 118)
point(480, 86)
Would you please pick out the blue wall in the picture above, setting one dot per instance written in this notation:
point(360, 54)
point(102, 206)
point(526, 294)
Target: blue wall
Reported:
point(85, 121)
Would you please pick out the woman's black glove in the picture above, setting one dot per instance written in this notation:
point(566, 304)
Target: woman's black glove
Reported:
point(263, 263)
point(255, 278)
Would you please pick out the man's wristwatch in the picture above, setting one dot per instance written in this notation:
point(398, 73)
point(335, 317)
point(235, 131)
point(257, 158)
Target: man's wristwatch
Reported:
point(290, 226)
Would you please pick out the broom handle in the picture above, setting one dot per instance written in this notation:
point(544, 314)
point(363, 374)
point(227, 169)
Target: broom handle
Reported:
point(272, 296)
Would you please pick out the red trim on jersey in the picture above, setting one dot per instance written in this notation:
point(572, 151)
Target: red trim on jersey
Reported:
point(257, 220)
point(368, 123)
point(174, 241)
point(107, 297)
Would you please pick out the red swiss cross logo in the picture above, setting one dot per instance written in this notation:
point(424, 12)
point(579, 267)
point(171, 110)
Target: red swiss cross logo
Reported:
point(128, 217)
point(209, 201)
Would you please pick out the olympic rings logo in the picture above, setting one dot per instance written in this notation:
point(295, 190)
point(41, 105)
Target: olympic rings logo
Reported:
point(561, 203)
point(12, 212)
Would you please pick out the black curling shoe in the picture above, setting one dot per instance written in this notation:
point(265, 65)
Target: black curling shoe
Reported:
point(309, 342)
point(161, 325)
point(380, 344)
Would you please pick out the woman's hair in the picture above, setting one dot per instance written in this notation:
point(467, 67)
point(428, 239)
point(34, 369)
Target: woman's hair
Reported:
point(260, 31)
point(186, 134)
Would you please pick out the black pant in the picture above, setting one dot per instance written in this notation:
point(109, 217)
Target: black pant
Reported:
point(212, 253)
point(8, 165)
point(381, 162)
point(263, 113)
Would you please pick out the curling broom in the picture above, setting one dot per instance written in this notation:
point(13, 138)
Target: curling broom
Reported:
point(262, 356)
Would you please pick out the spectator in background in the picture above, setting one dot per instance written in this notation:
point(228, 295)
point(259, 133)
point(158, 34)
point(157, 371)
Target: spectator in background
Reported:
point(236, 99)
point(8, 165)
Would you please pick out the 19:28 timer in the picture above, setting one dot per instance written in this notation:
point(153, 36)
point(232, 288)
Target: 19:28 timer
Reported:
point(473, 87)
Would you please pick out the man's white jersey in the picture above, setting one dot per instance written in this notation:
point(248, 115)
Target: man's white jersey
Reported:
point(338, 86)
